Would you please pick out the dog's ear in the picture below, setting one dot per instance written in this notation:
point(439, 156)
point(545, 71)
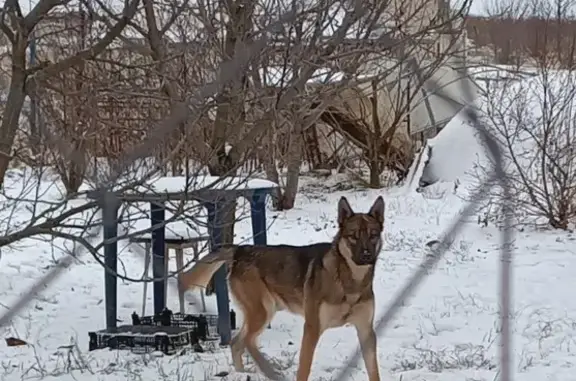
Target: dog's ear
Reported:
point(377, 210)
point(344, 210)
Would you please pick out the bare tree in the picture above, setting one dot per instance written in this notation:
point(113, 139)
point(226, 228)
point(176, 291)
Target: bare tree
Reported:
point(372, 48)
point(181, 47)
point(19, 28)
point(73, 92)
point(533, 116)
point(63, 102)
point(520, 32)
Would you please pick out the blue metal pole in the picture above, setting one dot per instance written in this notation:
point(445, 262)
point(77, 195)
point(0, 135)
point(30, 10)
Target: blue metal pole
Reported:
point(258, 217)
point(157, 217)
point(220, 283)
point(258, 214)
point(110, 221)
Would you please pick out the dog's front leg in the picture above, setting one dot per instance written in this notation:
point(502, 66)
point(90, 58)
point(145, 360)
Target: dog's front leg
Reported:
point(363, 321)
point(367, 338)
point(309, 343)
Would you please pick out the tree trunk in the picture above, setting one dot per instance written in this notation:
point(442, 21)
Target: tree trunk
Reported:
point(34, 140)
point(230, 116)
point(374, 165)
point(374, 145)
point(293, 165)
point(13, 108)
point(269, 160)
point(76, 169)
point(74, 178)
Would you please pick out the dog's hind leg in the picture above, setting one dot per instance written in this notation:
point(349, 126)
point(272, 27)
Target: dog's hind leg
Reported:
point(237, 347)
point(258, 308)
point(259, 319)
point(238, 344)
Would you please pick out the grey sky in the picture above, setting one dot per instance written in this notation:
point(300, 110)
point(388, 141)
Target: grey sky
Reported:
point(476, 8)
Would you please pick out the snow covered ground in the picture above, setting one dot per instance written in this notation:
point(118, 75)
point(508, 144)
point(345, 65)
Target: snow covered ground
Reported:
point(448, 331)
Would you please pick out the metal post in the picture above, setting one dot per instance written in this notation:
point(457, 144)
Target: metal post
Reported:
point(220, 284)
point(258, 214)
point(258, 217)
point(110, 221)
point(157, 217)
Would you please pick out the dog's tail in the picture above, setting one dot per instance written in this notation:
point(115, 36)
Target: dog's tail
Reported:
point(201, 273)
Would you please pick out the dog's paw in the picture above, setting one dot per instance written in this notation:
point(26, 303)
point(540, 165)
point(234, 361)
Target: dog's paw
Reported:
point(273, 374)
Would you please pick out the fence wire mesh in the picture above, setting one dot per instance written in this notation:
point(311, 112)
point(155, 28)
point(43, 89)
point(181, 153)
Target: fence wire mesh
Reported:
point(233, 69)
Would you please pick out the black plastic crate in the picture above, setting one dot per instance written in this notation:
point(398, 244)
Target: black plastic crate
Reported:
point(205, 327)
point(144, 338)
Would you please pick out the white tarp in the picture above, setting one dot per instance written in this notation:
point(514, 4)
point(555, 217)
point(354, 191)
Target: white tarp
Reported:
point(430, 110)
point(427, 108)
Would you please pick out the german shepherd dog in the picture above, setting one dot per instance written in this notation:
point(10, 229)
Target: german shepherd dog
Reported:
point(329, 284)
